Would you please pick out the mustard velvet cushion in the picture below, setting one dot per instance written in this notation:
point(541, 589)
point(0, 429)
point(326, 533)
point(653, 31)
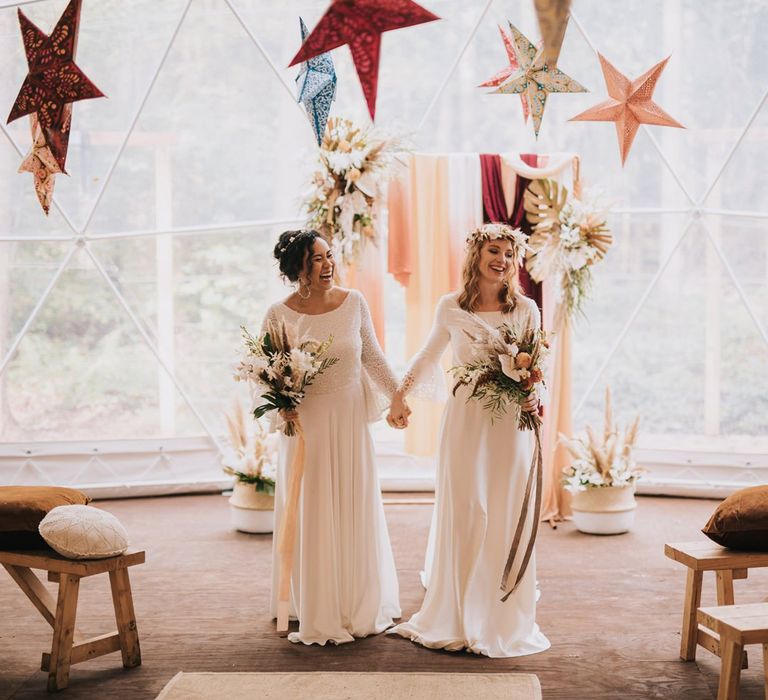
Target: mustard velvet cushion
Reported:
point(741, 520)
point(84, 532)
point(23, 507)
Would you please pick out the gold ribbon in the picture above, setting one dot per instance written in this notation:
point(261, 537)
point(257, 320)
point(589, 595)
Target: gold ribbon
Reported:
point(535, 471)
point(287, 536)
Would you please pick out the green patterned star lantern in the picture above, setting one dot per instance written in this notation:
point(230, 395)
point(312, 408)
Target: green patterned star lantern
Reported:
point(535, 78)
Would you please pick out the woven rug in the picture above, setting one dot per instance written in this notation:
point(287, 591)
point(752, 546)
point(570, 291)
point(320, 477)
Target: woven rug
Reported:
point(342, 686)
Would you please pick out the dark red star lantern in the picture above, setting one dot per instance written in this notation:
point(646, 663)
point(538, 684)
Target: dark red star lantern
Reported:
point(53, 81)
point(360, 23)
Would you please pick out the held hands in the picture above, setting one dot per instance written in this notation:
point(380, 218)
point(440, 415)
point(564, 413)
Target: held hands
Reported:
point(531, 404)
point(398, 412)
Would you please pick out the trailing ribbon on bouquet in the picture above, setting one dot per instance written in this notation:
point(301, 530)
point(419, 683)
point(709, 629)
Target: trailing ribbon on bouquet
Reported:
point(534, 473)
point(287, 537)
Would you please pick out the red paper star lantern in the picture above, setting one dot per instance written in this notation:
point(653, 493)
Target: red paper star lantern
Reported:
point(54, 80)
point(360, 24)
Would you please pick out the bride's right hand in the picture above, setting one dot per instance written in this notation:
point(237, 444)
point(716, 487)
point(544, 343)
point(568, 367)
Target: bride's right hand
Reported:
point(289, 416)
point(398, 412)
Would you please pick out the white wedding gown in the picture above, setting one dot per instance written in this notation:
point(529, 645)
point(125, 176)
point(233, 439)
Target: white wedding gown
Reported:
point(344, 582)
point(481, 477)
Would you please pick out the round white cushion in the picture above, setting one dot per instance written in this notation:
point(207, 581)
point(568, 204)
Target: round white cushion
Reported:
point(83, 532)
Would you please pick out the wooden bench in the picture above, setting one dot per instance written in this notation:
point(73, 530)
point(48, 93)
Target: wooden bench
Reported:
point(737, 625)
point(728, 564)
point(68, 645)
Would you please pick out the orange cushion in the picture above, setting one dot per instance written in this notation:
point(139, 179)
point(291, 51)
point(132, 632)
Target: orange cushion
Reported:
point(23, 507)
point(741, 520)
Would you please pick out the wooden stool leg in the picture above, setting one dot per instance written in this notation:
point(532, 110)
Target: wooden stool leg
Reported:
point(125, 617)
point(690, 625)
point(63, 632)
point(724, 582)
point(730, 670)
point(765, 669)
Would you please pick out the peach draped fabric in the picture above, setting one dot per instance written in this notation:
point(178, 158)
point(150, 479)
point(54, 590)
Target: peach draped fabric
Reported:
point(430, 210)
point(367, 276)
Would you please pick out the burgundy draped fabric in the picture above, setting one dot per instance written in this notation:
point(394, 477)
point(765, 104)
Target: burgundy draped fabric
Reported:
point(495, 209)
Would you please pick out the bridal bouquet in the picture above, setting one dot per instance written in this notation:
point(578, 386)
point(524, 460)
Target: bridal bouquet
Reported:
point(354, 164)
point(569, 236)
point(281, 367)
point(508, 369)
point(253, 454)
point(602, 460)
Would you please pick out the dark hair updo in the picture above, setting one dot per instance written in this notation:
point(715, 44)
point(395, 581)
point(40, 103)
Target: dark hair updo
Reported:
point(292, 250)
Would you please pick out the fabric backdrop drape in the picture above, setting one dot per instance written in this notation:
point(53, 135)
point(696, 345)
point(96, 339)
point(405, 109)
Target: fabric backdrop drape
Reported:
point(430, 210)
point(367, 276)
point(520, 169)
point(505, 205)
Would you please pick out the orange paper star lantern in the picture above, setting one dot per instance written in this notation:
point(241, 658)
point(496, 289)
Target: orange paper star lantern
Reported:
point(41, 162)
point(629, 104)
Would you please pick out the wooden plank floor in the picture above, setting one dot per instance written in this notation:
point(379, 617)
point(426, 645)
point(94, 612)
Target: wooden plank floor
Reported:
point(610, 605)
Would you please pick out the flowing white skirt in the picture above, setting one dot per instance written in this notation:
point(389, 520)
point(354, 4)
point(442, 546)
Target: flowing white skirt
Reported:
point(481, 477)
point(344, 582)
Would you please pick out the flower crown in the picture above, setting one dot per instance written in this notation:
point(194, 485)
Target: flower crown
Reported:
point(493, 232)
point(296, 236)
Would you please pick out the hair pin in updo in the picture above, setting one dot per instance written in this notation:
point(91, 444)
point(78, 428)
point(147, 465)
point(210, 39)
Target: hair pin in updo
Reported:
point(299, 234)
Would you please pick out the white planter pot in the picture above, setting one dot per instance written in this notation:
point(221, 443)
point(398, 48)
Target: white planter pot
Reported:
point(251, 510)
point(609, 510)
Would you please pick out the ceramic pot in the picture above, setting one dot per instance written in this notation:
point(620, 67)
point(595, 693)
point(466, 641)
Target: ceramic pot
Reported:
point(251, 510)
point(608, 510)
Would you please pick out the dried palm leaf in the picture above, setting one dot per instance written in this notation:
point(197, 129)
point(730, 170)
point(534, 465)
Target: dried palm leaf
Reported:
point(575, 447)
point(608, 416)
point(630, 437)
point(543, 201)
point(597, 451)
point(236, 427)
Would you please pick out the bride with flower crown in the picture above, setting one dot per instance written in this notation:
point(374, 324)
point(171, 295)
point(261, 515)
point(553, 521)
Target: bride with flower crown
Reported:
point(481, 473)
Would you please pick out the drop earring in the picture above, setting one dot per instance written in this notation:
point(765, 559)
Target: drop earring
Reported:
point(301, 289)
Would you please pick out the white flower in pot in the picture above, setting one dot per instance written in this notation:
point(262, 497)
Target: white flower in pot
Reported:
point(602, 477)
point(252, 460)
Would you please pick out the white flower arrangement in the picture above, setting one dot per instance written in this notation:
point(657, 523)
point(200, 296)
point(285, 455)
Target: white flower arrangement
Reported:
point(279, 367)
point(355, 164)
point(602, 462)
point(569, 236)
point(252, 455)
point(508, 368)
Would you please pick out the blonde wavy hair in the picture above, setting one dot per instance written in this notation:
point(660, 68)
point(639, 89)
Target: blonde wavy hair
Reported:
point(470, 289)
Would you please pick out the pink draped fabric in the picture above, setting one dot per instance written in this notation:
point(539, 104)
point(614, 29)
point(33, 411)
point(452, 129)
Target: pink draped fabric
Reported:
point(367, 275)
point(399, 258)
point(430, 212)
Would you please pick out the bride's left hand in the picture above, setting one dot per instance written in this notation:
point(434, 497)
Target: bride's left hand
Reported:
point(531, 404)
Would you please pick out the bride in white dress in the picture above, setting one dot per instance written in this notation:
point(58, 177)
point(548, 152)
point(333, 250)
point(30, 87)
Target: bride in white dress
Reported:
point(481, 473)
point(344, 584)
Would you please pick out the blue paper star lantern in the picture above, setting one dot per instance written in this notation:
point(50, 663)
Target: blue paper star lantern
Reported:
point(316, 83)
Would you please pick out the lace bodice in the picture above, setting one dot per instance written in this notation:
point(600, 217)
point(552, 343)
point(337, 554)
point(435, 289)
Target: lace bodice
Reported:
point(354, 344)
point(424, 375)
